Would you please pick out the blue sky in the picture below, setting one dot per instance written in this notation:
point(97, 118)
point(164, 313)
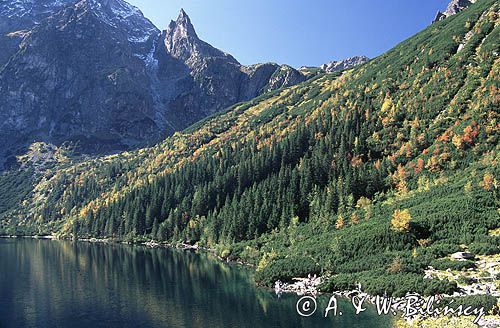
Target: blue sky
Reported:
point(298, 32)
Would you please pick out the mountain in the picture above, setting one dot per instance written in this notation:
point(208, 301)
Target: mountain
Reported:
point(182, 42)
point(368, 176)
point(335, 66)
point(454, 7)
point(77, 76)
point(216, 79)
point(99, 75)
point(19, 16)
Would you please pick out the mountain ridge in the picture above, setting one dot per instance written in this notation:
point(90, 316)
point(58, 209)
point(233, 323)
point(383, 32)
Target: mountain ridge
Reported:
point(343, 64)
point(171, 78)
point(454, 7)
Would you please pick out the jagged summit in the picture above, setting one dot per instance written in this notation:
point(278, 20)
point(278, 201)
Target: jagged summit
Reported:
point(347, 63)
point(116, 16)
point(182, 26)
point(454, 7)
point(33, 10)
point(183, 15)
point(182, 42)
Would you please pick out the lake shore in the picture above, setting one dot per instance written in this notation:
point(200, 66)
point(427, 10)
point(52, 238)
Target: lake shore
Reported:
point(301, 285)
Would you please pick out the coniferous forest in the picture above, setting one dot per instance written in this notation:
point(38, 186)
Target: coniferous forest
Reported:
point(370, 175)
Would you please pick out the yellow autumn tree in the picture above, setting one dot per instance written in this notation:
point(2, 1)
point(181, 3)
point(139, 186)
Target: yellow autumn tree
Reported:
point(468, 187)
point(401, 220)
point(399, 178)
point(340, 222)
point(488, 181)
point(354, 218)
point(387, 105)
point(266, 259)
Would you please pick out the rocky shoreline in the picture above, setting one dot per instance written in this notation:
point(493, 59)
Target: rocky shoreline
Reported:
point(309, 286)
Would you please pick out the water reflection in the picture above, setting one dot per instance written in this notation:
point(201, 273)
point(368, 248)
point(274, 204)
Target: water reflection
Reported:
point(65, 284)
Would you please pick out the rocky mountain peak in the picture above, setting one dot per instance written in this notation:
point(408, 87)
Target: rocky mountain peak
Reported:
point(339, 65)
point(183, 17)
point(19, 16)
point(123, 18)
point(31, 9)
point(182, 42)
point(115, 10)
point(182, 27)
point(181, 39)
point(454, 7)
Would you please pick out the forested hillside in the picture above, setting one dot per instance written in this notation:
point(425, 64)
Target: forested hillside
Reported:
point(379, 171)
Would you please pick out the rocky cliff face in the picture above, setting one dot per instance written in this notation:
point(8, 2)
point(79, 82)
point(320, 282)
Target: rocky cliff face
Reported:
point(347, 63)
point(100, 75)
point(78, 76)
point(18, 16)
point(454, 7)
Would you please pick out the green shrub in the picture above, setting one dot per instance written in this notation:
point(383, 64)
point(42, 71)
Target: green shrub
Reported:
point(286, 269)
point(397, 285)
point(466, 280)
point(484, 249)
point(474, 301)
point(444, 264)
point(340, 282)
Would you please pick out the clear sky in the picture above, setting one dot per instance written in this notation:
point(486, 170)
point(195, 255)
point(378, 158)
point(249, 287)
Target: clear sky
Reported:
point(298, 32)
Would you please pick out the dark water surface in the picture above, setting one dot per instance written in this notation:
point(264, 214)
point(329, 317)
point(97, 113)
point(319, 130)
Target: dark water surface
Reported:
point(47, 283)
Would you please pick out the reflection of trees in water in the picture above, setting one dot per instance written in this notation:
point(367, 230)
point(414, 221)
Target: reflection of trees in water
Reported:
point(155, 287)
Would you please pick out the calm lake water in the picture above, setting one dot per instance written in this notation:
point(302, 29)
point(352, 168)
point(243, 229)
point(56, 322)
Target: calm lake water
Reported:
point(47, 283)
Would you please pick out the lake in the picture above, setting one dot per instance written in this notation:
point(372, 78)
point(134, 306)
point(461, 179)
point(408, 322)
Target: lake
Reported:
point(46, 283)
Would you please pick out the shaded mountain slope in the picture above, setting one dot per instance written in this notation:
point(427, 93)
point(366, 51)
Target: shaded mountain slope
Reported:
point(77, 77)
point(19, 16)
